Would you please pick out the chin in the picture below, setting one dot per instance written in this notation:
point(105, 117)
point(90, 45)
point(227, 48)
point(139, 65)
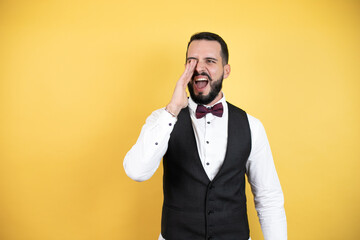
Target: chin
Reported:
point(202, 94)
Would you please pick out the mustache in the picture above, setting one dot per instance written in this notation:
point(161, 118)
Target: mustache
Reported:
point(201, 74)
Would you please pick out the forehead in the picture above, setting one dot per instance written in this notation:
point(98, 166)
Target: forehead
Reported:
point(204, 48)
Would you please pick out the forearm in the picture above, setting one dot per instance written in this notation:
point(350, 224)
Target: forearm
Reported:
point(274, 225)
point(269, 204)
point(144, 157)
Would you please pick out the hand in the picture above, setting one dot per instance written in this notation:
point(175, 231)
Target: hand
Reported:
point(179, 98)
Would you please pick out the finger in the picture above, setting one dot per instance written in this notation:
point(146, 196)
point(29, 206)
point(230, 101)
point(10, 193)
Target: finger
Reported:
point(192, 63)
point(188, 72)
point(190, 67)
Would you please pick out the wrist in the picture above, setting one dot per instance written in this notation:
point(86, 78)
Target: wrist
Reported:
point(172, 114)
point(173, 110)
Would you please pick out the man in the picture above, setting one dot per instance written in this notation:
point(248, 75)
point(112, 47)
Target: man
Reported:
point(207, 146)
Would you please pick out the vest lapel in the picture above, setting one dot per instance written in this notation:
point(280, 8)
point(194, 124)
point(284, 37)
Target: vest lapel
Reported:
point(186, 119)
point(229, 145)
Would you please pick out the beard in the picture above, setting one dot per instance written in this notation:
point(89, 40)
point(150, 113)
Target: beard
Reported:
point(215, 88)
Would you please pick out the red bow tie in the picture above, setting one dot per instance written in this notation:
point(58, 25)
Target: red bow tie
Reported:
point(216, 110)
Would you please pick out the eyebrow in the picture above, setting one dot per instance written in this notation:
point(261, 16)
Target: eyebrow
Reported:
point(189, 58)
point(210, 58)
point(207, 58)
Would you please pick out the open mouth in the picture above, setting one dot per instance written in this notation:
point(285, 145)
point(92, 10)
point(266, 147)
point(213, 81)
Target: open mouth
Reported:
point(201, 82)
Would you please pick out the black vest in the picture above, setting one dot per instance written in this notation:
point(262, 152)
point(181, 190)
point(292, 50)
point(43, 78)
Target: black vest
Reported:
point(194, 207)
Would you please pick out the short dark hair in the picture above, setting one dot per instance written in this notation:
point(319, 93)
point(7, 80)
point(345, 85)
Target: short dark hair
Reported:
point(211, 37)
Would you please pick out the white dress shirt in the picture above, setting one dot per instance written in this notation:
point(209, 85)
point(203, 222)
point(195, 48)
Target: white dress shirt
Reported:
point(144, 158)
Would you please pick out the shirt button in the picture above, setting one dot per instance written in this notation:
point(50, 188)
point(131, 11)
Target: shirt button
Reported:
point(170, 124)
point(207, 142)
point(207, 163)
point(156, 143)
point(208, 122)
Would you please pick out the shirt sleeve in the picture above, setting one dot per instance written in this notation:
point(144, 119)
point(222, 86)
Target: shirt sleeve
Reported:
point(143, 159)
point(265, 185)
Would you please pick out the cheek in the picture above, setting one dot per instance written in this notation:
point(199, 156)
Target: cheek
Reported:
point(213, 71)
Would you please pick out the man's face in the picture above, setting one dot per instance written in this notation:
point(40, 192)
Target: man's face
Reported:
point(206, 83)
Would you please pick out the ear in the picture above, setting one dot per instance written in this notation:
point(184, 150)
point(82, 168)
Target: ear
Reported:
point(227, 70)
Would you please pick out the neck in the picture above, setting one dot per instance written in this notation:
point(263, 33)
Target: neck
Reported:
point(216, 99)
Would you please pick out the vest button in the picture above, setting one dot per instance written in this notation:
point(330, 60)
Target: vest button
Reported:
point(210, 238)
point(210, 212)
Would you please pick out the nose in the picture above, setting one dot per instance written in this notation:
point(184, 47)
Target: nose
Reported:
point(200, 67)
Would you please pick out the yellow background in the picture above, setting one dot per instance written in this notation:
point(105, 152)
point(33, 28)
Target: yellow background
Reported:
point(79, 78)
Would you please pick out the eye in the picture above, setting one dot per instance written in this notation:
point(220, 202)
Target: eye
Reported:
point(210, 61)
